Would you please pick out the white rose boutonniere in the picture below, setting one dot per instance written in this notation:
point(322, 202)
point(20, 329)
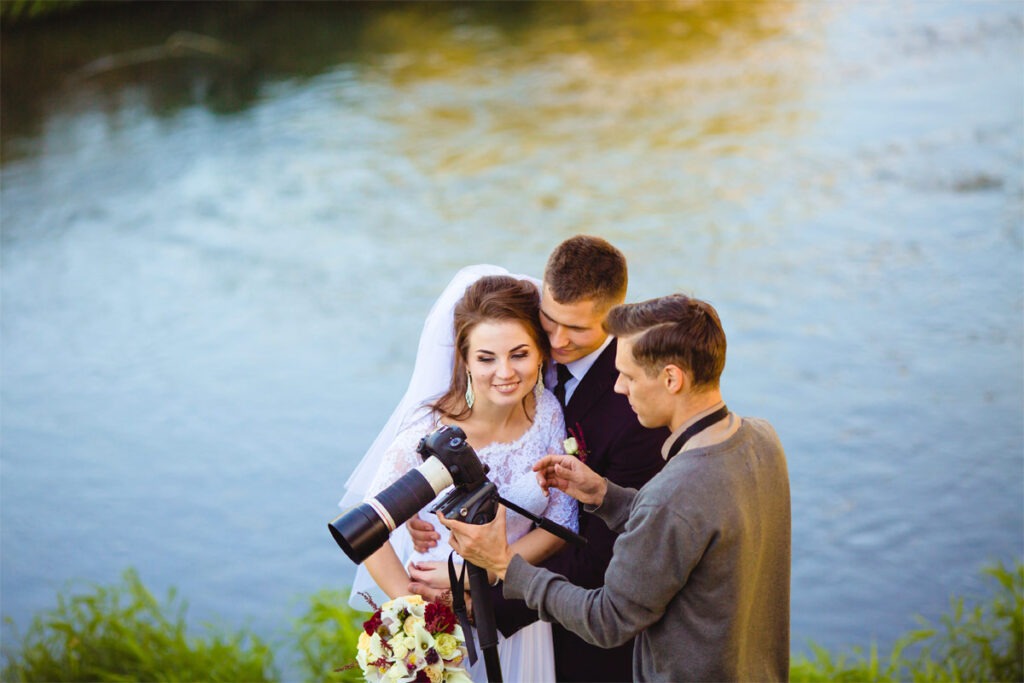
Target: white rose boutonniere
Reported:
point(575, 444)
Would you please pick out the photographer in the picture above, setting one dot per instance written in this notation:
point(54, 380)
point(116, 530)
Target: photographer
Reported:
point(700, 573)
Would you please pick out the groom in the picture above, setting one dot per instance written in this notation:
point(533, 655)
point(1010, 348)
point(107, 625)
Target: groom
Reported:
point(585, 277)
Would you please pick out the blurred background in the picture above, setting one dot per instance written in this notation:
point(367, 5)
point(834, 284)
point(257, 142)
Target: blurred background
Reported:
point(224, 223)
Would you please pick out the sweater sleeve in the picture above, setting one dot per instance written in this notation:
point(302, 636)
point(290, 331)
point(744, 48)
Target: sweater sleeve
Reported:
point(614, 510)
point(657, 551)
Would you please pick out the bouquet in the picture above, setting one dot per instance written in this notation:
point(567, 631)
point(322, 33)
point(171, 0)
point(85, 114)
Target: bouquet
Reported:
point(410, 640)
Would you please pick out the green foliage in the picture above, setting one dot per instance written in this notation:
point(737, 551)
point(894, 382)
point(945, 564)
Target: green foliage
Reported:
point(17, 10)
point(983, 643)
point(326, 636)
point(122, 633)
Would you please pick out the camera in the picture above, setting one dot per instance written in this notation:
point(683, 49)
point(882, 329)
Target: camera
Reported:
point(448, 460)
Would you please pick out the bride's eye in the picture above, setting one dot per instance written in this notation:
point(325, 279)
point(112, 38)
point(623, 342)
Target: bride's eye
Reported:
point(484, 359)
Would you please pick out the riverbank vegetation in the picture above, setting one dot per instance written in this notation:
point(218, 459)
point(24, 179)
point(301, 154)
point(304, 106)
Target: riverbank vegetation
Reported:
point(973, 641)
point(14, 11)
point(123, 633)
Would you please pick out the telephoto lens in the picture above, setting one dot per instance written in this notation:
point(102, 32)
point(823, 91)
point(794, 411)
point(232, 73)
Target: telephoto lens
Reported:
point(362, 530)
point(448, 460)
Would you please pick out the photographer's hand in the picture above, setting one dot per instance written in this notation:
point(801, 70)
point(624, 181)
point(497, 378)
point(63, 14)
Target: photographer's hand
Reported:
point(568, 474)
point(484, 545)
point(422, 532)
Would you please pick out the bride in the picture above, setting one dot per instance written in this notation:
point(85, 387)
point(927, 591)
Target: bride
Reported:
point(484, 333)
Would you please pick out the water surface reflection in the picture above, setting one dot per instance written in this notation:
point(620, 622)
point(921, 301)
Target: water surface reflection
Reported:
point(213, 276)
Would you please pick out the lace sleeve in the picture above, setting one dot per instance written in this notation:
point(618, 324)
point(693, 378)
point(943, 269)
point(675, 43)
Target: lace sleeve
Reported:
point(561, 508)
point(400, 456)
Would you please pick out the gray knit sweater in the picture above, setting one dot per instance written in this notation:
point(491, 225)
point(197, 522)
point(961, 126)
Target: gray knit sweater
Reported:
point(700, 573)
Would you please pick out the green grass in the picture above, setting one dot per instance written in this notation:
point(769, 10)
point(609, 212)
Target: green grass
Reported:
point(326, 635)
point(12, 11)
point(983, 642)
point(122, 633)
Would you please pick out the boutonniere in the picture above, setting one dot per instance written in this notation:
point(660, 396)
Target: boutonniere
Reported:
point(575, 444)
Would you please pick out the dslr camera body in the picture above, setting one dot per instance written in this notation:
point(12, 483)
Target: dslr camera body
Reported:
point(475, 497)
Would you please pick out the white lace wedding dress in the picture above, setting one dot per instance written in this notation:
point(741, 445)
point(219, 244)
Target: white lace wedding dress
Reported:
point(528, 655)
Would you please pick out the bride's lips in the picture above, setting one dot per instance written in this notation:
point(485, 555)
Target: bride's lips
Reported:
point(509, 388)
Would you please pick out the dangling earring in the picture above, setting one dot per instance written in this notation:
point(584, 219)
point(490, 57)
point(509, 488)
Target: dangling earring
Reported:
point(538, 388)
point(470, 398)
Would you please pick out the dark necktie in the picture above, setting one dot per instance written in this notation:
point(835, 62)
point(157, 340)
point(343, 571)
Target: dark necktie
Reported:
point(563, 376)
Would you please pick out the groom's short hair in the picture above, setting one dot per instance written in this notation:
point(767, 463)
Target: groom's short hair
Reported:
point(586, 267)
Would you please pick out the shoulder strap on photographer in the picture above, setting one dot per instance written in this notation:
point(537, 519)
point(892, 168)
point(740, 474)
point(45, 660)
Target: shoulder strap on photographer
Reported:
point(459, 605)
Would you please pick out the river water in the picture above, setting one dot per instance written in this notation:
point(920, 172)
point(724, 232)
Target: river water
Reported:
point(214, 273)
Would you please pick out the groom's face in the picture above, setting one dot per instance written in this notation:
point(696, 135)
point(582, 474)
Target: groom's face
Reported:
point(573, 329)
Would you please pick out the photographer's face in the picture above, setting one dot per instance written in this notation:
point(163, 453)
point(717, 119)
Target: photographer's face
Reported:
point(504, 362)
point(647, 395)
point(574, 329)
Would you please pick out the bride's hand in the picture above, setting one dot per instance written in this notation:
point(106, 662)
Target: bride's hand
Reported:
point(427, 593)
point(431, 575)
point(422, 532)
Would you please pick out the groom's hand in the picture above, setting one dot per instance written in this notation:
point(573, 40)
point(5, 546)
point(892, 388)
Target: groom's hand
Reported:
point(484, 545)
point(568, 474)
point(422, 532)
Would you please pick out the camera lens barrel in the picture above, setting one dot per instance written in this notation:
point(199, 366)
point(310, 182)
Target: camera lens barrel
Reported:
point(365, 528)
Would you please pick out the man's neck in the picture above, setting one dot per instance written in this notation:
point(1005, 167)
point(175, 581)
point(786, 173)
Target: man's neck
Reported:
point(693, 405)
point(580, 366)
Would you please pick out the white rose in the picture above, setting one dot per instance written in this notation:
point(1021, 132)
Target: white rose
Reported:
point(458, 676)
point(570, 446)
point(375, 647)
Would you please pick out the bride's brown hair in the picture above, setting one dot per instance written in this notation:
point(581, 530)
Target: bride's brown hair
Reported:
point(493, 298)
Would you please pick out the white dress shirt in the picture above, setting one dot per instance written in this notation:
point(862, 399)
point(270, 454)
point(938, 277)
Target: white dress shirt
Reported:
point(578, 368)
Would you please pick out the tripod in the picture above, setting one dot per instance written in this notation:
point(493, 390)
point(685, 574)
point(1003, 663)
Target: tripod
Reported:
point(483, 603)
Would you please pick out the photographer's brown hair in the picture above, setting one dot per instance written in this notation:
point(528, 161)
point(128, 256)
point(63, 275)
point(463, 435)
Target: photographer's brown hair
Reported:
point(673, 330)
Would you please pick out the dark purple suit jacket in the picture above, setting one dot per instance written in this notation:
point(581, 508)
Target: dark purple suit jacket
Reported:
point(628, 454)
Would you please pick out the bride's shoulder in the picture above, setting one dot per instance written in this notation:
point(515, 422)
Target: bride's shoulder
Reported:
point(548, 406)
point(418, 424)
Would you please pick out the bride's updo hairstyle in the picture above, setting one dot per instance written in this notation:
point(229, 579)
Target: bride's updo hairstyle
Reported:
point(493, 298)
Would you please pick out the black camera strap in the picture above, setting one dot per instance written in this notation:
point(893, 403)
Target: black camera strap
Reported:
point(459, 605)
point(694, 429)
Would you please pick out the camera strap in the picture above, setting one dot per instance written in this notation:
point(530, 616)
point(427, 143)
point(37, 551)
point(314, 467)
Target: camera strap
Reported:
point(459, 605)
point(694, 429)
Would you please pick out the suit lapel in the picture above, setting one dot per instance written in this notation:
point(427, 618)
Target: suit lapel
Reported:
point(598, 380)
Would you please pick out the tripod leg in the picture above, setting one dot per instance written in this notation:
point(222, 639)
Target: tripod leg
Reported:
point(486, 626)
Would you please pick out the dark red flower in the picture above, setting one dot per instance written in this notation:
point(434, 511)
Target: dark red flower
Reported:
point(373, 623)
point(582, 451)
point(438, 618)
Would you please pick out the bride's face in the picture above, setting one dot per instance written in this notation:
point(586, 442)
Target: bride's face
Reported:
point(504, 362)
